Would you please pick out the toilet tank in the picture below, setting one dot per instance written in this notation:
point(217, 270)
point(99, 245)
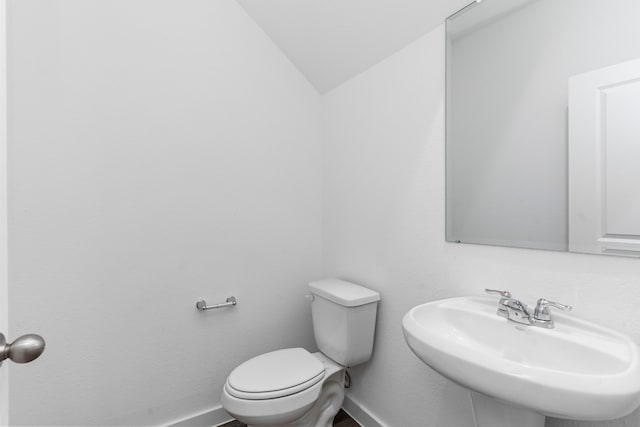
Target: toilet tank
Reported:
point(344, 320)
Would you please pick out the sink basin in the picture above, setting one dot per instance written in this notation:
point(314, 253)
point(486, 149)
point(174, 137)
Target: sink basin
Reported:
point(577, 370)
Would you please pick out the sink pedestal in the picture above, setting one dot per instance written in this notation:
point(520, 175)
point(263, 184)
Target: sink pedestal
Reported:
point(490, 412)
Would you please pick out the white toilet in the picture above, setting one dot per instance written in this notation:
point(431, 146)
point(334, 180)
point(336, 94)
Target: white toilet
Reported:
point(293, 387)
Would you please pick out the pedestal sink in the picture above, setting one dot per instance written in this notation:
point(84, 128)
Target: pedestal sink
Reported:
point(519, 374)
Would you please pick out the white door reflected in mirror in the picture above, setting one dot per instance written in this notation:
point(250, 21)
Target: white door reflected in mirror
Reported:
point(604, 160)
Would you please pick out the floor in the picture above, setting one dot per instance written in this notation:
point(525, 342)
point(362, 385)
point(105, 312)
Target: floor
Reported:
point(341, 420)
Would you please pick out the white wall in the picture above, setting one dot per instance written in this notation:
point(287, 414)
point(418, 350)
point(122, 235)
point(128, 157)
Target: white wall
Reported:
point(384, 227)
point(160, 151)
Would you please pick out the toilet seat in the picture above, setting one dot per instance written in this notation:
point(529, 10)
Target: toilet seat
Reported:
point(276, 374)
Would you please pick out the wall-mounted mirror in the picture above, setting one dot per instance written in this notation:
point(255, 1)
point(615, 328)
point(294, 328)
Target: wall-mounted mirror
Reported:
point(524, 168)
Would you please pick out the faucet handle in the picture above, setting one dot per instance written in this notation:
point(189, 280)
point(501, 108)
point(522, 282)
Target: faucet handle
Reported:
point(542, 309)
point(503, 294)
point(505, 298)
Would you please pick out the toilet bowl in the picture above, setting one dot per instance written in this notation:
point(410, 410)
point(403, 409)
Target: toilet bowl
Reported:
point(295, 388)
point(313, 389)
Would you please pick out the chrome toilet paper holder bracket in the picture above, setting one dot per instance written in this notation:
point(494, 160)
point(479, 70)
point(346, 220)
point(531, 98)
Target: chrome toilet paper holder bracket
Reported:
point(202, 304)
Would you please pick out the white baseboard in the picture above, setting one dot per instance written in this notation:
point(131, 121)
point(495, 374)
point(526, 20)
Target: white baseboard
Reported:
point(214, 416)
point(361, 414)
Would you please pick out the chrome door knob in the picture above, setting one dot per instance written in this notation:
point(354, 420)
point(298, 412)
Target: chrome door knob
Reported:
point(22, 350)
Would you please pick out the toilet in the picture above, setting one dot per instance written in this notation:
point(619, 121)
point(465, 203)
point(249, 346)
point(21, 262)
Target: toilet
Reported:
point(293, 387)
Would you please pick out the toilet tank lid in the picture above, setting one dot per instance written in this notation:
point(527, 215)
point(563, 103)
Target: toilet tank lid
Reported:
point(344, 293)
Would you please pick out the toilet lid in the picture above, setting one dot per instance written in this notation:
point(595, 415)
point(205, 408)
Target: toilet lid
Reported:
point(275, 374)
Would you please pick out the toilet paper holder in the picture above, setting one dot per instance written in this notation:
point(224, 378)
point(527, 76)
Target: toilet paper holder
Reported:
point(202, 304)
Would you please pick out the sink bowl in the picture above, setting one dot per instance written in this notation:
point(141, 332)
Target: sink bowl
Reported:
point(577, 370)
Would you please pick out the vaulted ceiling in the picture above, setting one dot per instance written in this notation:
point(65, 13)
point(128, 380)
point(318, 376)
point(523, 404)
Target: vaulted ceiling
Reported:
point(331, 41)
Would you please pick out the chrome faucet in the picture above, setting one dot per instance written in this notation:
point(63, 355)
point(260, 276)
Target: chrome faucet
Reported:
point(517, 311)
